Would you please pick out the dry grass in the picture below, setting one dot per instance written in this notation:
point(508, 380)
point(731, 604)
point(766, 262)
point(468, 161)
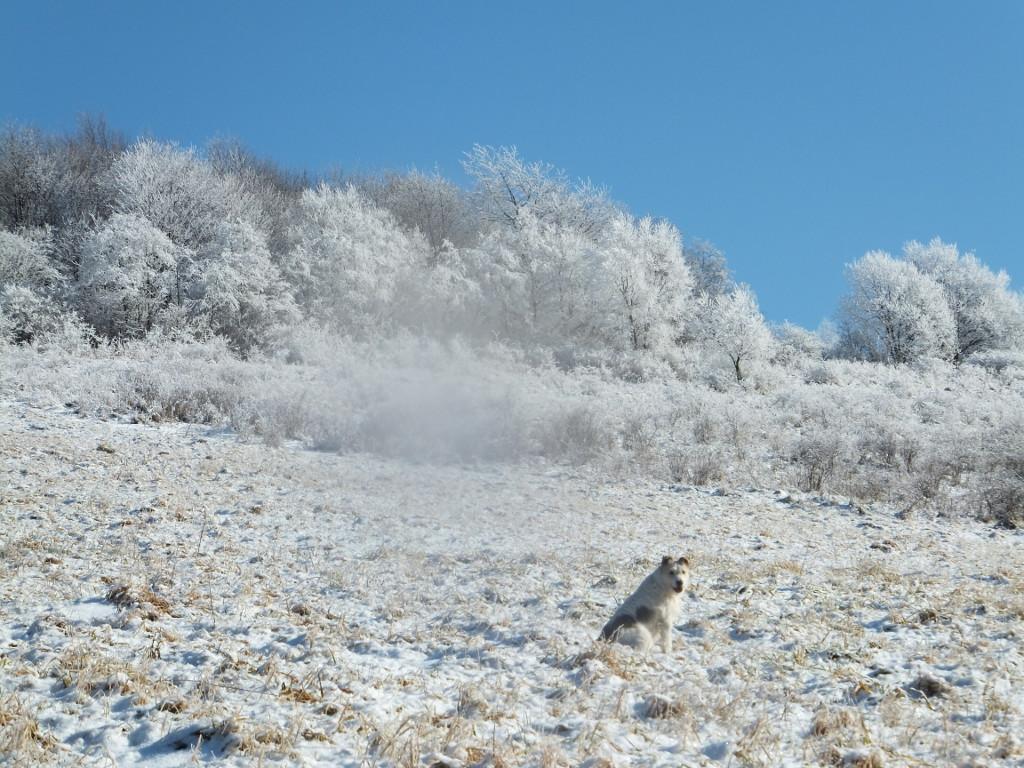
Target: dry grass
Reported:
point(602, 658)
point(830, 722)
point(353, 615)
point(22, 739)
point(658, 707)
point(129, 596)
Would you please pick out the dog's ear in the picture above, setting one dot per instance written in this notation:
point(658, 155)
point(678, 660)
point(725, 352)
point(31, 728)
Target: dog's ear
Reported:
point(683, 561)
point(666, 560)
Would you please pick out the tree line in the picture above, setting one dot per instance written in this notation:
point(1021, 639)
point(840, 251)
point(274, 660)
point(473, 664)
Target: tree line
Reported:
point(116, 239)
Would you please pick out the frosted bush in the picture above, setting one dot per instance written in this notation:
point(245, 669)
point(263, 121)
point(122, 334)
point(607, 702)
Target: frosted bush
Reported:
point(817, 456)
point(931, 436)
point(795, 345)
point(1001, 498)
point(704, 429)
point(25, 259)
point(998, 361)
point(69, 334)
point(27, 315)
point(820, 373)
point(576, 435)
point(1001, 486)
point(640, 434)
point(181, 393)
point(702, 466)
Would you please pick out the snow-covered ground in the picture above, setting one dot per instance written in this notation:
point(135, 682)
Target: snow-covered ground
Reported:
point(170, 594)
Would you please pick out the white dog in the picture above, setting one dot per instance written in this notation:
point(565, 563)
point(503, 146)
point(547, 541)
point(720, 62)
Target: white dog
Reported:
point(649, 613)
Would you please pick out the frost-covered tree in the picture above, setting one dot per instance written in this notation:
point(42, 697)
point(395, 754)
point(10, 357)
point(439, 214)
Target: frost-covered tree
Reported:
point(795, 344)
point(986, 313)
point(30, 180)
point(25, 259)
point(130, 272)
point(273, 189)
point(346, 257)
point(239, 291)
point(507, 186)
point(533, 279)
point(32, 290)
point(27, 314)
point(733, 324)
point(52, 180)
point(83, 160)
point(645, 290)
point(178, 192)
point(431, 204)
point(445, 297)
point(711, 275)
point(894, 313)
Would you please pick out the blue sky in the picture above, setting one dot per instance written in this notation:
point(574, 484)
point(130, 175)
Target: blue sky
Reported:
point(794, 135)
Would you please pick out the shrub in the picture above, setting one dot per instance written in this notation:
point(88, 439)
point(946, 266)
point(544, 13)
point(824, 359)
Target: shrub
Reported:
point(698, 467)
point(820, 373)
point(577, 434)
point(640, 434)
point(1002, 498)
point(817, 456)
point(26, 315)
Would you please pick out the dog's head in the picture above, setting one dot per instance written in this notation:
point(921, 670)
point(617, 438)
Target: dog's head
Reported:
point(676, 571)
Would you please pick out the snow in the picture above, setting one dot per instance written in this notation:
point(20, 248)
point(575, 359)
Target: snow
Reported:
point(185, 596)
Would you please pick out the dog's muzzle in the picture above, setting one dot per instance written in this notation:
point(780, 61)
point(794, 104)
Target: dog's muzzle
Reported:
point(679, 586)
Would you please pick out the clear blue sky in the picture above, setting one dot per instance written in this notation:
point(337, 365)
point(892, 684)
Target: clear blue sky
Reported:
point(794, 135)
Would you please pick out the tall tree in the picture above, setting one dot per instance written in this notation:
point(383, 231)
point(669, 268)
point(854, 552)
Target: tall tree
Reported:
point(130, 272)
point(239, 291)
point(733, 324)
point(346, 258)
point(178, 192)
point(646, 283)
point(507, 186)
point(986, 313)
point(431, 204)
point(894, 313)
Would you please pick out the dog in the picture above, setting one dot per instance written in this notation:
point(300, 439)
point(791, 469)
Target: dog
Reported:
point(648, 614)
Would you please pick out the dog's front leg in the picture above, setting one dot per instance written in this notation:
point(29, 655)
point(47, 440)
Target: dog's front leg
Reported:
point(666, 639)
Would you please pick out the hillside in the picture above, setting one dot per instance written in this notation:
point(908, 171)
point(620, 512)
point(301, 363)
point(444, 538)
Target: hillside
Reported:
point(172, 593)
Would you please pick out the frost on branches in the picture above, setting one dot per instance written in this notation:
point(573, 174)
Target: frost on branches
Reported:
point(240, 291)
point(130, 272)
point(732, 324)
point(148, 237)
point(177, 192)
point(646, 284)
point(346, 259)
point(894, 313)
point(986, 314)
point(932, 303)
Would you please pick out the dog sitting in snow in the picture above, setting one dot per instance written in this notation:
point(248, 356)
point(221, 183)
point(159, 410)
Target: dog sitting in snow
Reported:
point(648, 614)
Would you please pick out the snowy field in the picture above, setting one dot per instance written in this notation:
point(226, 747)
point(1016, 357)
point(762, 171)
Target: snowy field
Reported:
point(173, 595)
